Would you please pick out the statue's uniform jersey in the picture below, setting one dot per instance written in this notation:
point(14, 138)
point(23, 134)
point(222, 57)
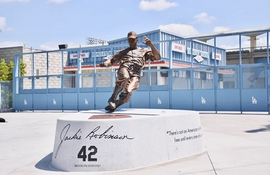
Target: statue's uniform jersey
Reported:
point(133, 59)
point(131, 63)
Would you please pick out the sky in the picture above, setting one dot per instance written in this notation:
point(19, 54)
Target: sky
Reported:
point(43, 24)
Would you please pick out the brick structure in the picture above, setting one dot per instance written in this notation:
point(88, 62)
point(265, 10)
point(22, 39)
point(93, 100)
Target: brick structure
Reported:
point(7, 53)
point(40, 69)
point(40, 66)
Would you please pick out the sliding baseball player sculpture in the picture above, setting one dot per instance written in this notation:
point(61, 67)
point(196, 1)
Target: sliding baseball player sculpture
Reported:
point(132, 61)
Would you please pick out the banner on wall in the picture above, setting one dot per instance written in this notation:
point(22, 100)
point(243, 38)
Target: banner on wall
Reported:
point(198, 52)
point(178, 47)
point(218, 56)
point(75, 55)
point(198, 58)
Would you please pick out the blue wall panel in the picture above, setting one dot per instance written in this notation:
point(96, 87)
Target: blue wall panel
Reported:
point(159, 100)
point(228, 100)
point(254, 100)
point(25, 102)
point(15, 101)
point(86, 101)
point(70, 101)
point(40, 101)
point(182, 100)
point(55, 101)
point(140, 99)
point(126, 105)
point(203, 100)
point(102, 99)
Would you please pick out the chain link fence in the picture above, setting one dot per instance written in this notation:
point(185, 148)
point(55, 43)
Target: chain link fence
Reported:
point(5, 96)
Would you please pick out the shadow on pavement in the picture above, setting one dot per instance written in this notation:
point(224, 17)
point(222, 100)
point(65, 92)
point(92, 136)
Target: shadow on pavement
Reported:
point(265, 129)
point(45, 164)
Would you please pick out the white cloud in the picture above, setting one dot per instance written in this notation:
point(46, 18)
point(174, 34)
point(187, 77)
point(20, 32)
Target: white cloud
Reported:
point(49, 46)
point(2, 23)
point(221, 29)
point(231, 47)
point(58, 1)
point(45, 46)
point(14, 0)
point(157, 5)
point(261, 42)
point(9, 29)
point(11, 44)
point(180, 29)
point(204, 18)
point(54, 45)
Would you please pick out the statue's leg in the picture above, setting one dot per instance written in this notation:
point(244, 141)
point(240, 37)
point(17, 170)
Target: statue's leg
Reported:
point(117, 90)
point(121, 83)
point(129, 90)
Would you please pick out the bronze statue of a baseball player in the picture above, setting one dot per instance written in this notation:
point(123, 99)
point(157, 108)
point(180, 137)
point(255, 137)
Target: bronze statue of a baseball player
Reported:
point(131, 60)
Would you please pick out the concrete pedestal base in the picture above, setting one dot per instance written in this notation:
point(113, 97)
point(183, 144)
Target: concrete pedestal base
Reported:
point(126, 139)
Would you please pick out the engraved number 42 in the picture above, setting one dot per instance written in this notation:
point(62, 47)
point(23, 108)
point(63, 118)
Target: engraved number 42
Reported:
point(82, 153)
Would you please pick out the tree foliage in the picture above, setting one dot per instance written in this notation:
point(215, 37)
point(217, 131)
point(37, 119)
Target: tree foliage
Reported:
point(6, 69)
point(3, 70)
point(10, 67)
point(22, 67)
point(6, 74)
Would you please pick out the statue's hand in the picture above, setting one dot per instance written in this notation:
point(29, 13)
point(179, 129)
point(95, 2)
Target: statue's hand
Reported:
point(147, 41)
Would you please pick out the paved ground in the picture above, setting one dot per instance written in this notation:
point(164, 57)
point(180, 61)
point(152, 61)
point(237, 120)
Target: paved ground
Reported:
point(236, 144)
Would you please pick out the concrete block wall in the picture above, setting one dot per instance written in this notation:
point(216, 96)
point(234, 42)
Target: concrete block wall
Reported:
point(7, 53)
point(87, 81)
point(55, 68)
point(104, 80)
point(70, 81)
point(40, 68)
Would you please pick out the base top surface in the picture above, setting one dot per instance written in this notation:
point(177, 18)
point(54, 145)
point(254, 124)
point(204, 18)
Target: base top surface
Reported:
point(124, 114)
point(112, 116)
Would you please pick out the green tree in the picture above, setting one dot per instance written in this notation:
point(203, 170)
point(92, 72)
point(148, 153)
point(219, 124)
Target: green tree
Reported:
point(10, 67)
point(22, 67)
point(6, 74)
point(4, 69)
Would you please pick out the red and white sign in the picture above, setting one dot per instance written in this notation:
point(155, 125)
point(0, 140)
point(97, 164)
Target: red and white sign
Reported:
point(218, 56)
point(75, 55)
point(178, 47)
point(198, 58)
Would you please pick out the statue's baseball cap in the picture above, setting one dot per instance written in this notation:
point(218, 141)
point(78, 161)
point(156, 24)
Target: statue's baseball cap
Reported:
point(132, 34)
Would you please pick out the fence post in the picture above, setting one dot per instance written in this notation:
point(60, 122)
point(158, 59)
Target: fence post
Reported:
point(268, 86)
point(79, 83)
point(170, 75)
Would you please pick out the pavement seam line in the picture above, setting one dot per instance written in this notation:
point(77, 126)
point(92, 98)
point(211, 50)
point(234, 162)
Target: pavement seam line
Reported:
point(211, 163)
